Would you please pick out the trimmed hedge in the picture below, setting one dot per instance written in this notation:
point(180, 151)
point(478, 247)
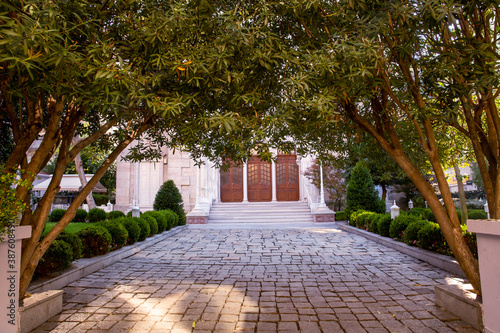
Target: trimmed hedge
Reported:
point(477, 214)
point(74, 241)
point(153, 225)
point(133, 229)
point(100, 199)
point(119, 233)
point(354, 216)
point(96, 240)
point(411, 232)
point(161, 220)
point(145, 229)
point(384, 223)
point(56, 215)
point(115, 214)
point(430, 237)
point(341, 216)
point(399, 225)
point(57, 258)
point(80, 216)
point(363, 219)
point(172, 218)
point(96, 215)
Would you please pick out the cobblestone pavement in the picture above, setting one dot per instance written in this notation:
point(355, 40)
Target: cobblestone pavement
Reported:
point(261, 280)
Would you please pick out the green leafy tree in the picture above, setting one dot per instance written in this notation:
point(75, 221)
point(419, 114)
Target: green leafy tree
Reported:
point(398, 70)
point(177, 74)
point(361, 193)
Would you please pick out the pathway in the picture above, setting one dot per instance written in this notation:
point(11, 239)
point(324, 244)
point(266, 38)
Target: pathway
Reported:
point(259, 280)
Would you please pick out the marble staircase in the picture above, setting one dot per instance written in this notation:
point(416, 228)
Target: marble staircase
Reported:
point(260, 212)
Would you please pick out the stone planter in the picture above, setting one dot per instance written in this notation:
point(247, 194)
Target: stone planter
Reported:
point(10, 263)
point(488, 246)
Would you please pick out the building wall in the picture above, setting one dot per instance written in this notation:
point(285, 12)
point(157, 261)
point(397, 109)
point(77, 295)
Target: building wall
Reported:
point(141, 181)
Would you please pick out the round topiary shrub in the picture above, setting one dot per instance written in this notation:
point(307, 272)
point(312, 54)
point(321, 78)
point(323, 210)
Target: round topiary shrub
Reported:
point(96, 215)
point(476, 214)
point(80, 216)
point(374, 223)
point(362, 219)
point(169, 197)
point(384, 223)
point(96, 240)
point(411, 232)
point(430, 237)
point(133, 229)
point(145, 229)
point(74, 241)
point(153, 225)
point(170, 217)
point(57, 258)
point(420, 212)
point(354, 216)
point(119, 233)
point(115, 214)
point(429, 215)
point(160, 218)
point(399, 225)
point(56, 215)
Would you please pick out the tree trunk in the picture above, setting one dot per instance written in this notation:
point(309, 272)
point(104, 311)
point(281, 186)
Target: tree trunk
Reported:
point(461, 194)
point(384, 191)
point(83, 180)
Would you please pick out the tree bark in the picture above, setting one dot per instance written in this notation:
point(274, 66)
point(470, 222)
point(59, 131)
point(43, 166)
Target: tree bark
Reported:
point(461, 194)
point(83, 179)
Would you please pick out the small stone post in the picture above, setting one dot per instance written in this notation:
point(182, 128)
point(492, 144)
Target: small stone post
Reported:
point(410, 204)
point(110, 206)
point(487, 209)
point(394, 211)
point(136, 211)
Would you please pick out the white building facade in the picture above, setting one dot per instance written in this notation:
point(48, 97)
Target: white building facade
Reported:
point(202, 186)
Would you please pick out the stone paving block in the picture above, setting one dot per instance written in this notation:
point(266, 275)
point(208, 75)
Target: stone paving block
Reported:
point(259, 281)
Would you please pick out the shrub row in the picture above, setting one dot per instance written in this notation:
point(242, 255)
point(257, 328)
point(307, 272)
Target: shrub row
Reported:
point(94, 215)
point(102, 237)
point(412, 228)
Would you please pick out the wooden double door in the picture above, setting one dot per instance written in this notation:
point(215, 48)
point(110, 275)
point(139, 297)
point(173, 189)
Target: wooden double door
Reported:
point(259, 180)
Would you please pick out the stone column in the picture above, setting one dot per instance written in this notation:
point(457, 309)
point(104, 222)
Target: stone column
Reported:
point(245, 182)
point(273, 181)
point(322, 190)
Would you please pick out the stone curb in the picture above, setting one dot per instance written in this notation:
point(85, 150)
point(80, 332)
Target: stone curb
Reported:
point(85, 266)
point(438, 260)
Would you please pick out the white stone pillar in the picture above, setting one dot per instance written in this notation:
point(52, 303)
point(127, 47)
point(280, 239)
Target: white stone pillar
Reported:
point(273, 181)
point(198, 174)
point(245, 182)
point(322, 190)
point(394, 211)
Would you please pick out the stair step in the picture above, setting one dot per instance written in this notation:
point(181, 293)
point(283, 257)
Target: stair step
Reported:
point(260, 212)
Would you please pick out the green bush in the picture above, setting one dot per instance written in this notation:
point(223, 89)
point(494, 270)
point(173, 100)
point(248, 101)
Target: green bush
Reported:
point(56, 215)
point(429, 216)
point(477, 214)
point(119, 233)
point(399, 224)
point(470, 239)
point(171, 217)
point(100, 199)
point(80, 216)
point(418, 211)
point(96, 240)
point(160, 218)
point(57, 258)
point(354, 216)
point(363, 219)
point(145, 228)
point(411, 232)
point(374, 223)
point(430, 237)
point(133, 229)
point(115, 214)
point(384, 223)
point(96, 215)
point(361, 193)
point(74, 241)
point(169, 197)
point(153, 225)
point(340, 216)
